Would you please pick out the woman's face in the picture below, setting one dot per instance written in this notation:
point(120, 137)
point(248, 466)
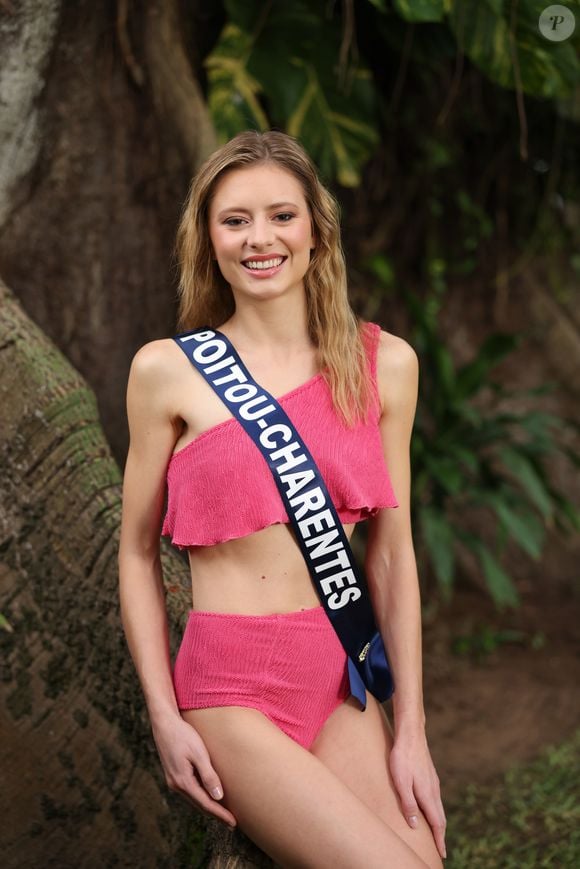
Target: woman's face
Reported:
point(261, 231)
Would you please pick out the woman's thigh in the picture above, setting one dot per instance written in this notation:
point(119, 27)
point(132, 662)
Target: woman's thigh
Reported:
point(289, 802)
point(355, 746)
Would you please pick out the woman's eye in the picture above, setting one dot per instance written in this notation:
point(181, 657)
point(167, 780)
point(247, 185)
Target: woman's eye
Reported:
point(233, 221)
point(285, 217)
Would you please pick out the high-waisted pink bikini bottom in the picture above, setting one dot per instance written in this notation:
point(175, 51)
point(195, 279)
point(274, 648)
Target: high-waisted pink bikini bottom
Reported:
point(290, 666)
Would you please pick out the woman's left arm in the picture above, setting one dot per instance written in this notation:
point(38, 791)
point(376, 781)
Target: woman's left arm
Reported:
point(391, 572)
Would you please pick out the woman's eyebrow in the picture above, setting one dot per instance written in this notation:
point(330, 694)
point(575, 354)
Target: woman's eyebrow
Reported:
point(246, 211)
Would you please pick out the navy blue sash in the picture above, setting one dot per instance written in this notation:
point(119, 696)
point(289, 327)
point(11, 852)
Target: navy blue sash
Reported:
point(339, 583)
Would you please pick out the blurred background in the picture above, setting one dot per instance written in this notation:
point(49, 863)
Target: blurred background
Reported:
point(449, 130)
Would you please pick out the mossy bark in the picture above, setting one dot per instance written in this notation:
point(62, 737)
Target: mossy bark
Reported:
point(82, 785)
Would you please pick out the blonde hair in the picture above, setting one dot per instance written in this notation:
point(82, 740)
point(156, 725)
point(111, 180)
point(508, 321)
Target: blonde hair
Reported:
point(205, 298)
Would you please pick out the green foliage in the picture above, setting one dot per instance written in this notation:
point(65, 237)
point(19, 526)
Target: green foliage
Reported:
point(470, 450)
point(303, 67)
point(420, 10)
point(278, 65)
point(529, 820)
point(482, 641)
point(546, 69)
point(233, 96)
point(505, 50)
point(5, 624)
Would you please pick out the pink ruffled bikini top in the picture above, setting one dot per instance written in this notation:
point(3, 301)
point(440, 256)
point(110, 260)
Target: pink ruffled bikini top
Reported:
point(219, 487)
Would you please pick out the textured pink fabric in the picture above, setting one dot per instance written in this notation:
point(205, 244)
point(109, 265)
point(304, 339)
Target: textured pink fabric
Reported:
point(290, 666)
point(219, 487)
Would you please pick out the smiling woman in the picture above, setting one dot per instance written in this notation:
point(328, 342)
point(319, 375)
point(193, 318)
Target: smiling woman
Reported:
point(262, 240)
point(255, 723)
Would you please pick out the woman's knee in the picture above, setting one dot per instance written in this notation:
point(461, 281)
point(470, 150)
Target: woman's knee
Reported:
point(356, 746)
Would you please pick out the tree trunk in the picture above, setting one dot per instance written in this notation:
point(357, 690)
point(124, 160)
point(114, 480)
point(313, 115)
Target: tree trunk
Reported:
point(82, 784)
point(102, 124)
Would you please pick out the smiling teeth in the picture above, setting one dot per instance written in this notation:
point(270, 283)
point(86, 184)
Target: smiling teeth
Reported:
point(264, 264)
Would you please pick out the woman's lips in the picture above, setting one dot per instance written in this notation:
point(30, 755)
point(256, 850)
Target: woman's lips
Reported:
point(264, 272)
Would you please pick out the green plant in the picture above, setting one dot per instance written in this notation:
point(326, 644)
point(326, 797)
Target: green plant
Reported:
point(527, 820)
point(472, 449)
point(317, 69)
point(480, 642)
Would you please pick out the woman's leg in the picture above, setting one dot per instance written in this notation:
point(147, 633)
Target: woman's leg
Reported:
point(355, 746)
point(289, 802)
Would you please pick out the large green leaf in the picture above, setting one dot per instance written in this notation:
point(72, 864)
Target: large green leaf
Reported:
point(497, 580)
point(568, 513)
point(281, 63)
point(522, 525)
point(322, 118)
point(233, 97)
point(518, 464)
point(483, 30)
point(420, 10)
point(499, 583)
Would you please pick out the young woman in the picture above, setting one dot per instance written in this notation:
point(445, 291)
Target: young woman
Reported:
point(255, 723)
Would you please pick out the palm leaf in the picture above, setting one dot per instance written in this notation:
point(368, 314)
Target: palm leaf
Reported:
point(439, 537)
point(497, 580)
point(520, 467)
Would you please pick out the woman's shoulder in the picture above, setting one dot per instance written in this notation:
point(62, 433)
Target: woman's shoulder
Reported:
point(397, 364)
point(390, 350)
point(395, 351)
point(156, 357)
point(157, 364)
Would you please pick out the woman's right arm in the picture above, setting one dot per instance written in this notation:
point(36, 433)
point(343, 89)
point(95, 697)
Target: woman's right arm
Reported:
point(153, 431)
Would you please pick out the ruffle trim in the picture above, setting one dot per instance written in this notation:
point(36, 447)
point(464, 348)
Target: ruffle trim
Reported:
point(207, 540)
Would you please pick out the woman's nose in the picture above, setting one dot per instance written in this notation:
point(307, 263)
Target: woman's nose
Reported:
point(260, 233)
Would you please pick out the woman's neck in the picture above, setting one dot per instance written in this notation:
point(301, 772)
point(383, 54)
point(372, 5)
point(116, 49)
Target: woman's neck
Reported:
point(277, 323)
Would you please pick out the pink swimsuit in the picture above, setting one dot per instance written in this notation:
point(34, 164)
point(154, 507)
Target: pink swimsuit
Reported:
point(290, 666)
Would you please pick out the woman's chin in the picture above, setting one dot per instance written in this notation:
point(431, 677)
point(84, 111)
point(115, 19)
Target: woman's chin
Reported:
point(266, 291)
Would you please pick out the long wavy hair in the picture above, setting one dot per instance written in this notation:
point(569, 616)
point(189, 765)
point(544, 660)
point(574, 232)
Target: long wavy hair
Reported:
point(205, 298)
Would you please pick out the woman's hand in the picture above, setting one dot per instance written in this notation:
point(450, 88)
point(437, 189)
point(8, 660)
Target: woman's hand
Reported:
point(417, 783)
point(185, 759)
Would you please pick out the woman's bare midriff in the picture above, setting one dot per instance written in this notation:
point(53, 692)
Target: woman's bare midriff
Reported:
point(260, 574)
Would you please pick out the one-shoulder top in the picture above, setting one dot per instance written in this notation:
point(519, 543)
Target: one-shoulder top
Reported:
point(219, 486)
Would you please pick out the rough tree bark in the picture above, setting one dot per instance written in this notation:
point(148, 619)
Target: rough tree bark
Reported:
point(102, 124)
point(76, 752)
point(82, 784)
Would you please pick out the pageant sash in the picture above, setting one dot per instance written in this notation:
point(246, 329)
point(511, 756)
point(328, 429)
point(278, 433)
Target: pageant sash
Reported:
point(339, 583)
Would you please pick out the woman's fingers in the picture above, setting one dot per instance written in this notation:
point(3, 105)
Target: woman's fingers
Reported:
point(188, 786)
point(409, 805)
point(430, 804)
point(207, 774)
point(432, 808)
point(188, 768)
point(210, 791)
point(210, 806)
point(433, 811)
